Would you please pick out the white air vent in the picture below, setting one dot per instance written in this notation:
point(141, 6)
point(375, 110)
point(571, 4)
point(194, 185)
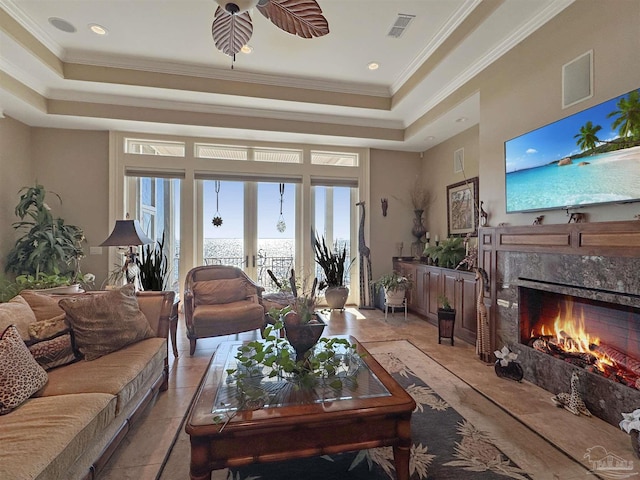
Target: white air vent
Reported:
point(400, 25)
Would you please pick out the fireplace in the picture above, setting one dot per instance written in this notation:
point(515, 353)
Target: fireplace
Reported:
point(599, 336)
point(587, 271)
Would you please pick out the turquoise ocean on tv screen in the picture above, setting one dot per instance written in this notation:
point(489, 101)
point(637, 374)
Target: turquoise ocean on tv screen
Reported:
point(608, 177)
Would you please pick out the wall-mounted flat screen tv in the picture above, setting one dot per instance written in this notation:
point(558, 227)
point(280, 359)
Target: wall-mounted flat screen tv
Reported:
point(589, 158)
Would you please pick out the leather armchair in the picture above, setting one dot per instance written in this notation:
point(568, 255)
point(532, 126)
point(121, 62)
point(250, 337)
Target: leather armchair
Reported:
point(221, 300)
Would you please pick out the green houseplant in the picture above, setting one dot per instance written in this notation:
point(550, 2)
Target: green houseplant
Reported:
point(395, 287)
point(48, 246)
point(448, 253)
point(154, 266)
point(333, 264)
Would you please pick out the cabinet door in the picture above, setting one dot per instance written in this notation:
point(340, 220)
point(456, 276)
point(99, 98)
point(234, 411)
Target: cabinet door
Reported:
point(421, 284)
point(433, 291)
point(468, 303)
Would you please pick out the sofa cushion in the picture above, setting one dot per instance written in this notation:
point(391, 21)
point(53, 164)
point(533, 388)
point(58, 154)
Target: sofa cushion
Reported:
point(43, 329)
point(44, 306)
point(18, 313)
point(105, 322)
point(212, 292)
point(119, 373)
point(45, 436)
point(20, 374)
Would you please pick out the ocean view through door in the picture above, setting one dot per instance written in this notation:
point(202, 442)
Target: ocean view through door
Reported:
point(245, 226)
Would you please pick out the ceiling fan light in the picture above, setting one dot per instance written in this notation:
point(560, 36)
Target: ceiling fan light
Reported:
point(236, 6)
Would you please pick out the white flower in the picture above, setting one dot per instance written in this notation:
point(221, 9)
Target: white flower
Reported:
point(630, 421)
point(89, 278)
point(46, 207)
point(505, 355)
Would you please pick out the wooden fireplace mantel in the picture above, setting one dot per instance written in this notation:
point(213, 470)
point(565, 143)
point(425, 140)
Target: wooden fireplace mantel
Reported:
point(619, 239)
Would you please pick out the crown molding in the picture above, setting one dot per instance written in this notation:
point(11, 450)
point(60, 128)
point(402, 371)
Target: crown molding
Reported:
point(447, 29)
point(181, 106)
point(203, 71)
point(552, 9)
point(32, 27)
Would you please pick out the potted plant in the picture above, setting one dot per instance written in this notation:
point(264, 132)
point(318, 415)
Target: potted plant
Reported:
point(48, 248)
point(395, 287)
point(302, 325)
point(333, 267)
point(448, 253)
point(154, 266)
point(446, 318)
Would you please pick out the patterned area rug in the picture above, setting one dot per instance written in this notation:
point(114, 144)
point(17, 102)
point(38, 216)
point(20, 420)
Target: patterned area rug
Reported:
point(445, 444)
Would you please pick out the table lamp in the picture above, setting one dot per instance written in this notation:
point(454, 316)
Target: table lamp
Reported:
point(128, 233)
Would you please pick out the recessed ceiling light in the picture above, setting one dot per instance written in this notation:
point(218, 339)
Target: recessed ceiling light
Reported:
point(461, 119)
point(61, 24)
point(97, 29)
point(373, 66)
point(430, 138)
point(246, 48)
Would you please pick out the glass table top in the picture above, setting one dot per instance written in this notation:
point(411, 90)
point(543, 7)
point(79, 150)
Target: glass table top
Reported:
point(352, 380)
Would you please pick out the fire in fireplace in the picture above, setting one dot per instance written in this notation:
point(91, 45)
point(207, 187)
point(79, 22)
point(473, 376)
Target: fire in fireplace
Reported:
point(601, 337)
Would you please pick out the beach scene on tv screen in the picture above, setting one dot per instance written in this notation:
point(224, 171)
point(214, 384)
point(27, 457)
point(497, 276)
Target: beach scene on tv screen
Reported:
point(590, 157)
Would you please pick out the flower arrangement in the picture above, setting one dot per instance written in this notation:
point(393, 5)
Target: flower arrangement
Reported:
point(505, 356)
point(630, 421)
point(394, 281)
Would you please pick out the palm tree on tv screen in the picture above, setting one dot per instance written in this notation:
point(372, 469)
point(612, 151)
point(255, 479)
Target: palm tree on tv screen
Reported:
point(587, 138)
point(628, 113)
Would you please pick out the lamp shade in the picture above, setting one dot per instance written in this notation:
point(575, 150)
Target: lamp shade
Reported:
point(125, 233)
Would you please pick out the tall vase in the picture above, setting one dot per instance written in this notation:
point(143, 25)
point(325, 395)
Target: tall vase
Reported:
point(418, 231)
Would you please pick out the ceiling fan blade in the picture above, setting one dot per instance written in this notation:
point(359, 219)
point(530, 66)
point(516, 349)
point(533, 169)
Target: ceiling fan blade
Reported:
point(231, 32)
point(299, 17)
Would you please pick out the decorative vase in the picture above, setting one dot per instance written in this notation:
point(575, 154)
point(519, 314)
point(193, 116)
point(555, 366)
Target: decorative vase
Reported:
point(304, 336)
point(446, 323)
point(513, 371)
point(336, 297)
point(394, 297)
point(418, 231)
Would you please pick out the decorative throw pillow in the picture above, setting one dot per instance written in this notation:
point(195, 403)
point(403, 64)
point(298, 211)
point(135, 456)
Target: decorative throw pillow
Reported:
point(51, 342)
point(45, 329)
point(54, 352)
point(20, 374)
point(17, 312)
point(212, 292)
point(105, 322)
point(44, 306)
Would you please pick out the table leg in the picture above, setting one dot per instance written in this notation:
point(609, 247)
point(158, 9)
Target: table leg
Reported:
point(402, 451)
point(199, 460)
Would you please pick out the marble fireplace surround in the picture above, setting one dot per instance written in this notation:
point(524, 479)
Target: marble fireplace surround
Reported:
point(598, 261)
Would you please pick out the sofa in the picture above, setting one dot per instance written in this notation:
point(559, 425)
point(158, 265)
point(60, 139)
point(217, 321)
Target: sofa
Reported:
point(91, 396)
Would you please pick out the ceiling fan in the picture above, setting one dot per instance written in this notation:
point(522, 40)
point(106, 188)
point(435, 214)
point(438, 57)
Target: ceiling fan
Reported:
point(232, 26)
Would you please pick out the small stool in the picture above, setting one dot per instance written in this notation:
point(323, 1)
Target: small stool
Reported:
point(393, 308)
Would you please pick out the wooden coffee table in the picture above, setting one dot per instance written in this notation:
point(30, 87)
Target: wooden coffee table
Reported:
point(376, 413)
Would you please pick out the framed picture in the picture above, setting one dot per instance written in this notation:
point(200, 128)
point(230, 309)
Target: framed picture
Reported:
point(462, 213)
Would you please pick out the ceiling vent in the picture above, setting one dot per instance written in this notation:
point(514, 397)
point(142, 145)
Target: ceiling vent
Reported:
point(400, 25)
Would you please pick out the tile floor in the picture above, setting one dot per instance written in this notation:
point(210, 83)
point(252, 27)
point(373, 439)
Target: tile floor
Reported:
point(542, 427)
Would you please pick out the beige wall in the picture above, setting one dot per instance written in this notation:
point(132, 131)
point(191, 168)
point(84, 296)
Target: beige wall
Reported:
point(75, 164)
point(392, 173)
point(438, 173)
point(16, 171)
point(523, 91)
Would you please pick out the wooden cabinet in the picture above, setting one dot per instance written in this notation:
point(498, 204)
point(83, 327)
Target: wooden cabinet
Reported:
point(430, 282)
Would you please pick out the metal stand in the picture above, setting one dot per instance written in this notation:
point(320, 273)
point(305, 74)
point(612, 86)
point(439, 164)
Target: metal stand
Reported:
point(393, 308)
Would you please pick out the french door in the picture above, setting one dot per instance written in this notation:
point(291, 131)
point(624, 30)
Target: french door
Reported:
point(251, 225)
